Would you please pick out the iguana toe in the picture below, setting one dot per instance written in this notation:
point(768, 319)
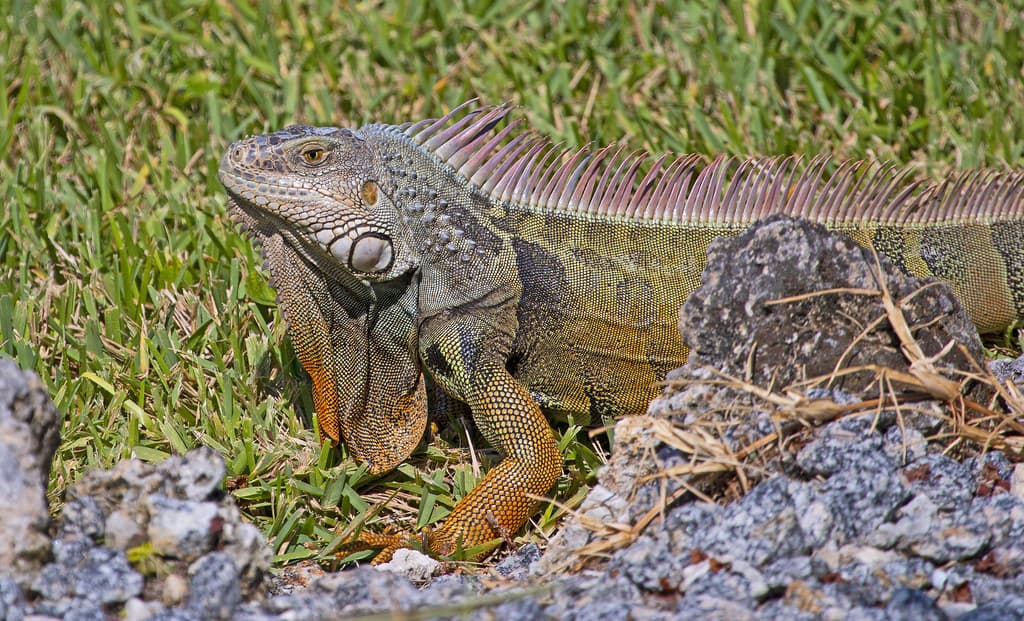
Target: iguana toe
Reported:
point(389, 543)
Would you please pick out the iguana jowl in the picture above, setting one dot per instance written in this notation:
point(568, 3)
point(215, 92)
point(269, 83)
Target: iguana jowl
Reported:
point(525, 281)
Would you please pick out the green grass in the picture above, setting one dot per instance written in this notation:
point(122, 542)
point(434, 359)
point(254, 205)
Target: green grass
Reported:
point(126, 287)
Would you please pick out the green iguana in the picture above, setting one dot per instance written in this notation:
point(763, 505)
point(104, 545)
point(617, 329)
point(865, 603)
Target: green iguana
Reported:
point(446, 262)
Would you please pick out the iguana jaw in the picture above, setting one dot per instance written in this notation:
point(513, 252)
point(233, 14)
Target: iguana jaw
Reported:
point(259, 225)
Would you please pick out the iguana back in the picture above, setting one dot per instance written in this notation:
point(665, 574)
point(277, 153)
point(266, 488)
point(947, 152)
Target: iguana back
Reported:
point(551, 279)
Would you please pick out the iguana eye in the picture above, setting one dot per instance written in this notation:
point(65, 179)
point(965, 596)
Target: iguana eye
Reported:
point(314, 155)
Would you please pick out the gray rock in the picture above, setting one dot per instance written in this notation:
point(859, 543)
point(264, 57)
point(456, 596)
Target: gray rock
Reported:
point(912, 605)
point(1005, 513)
point(246, 545)
point(54, 582)
point(954, 543)
point(28, 414)
point(727, 317)
point(194, 477)
point(213, 586)
point(178, 517)
point(29, 435)
point(83, 517)
point(905, 444)
point(1003, 560)
point(136, 609)
point(921, 529)
point(844, 595)
point(861, 613)
point(688, 521)
point(181, 529)
point(710, 608)
point(649, 564)
point(86, 572)
point(197, 475)
point(992, 472)
point(944, 537)
point(412, 564)
point(364, 590)
point(616, 497)
point(177, 507)
point(77, 609)
point(781, 610)
point(517, 566)
point(1008, 369)
point(174, 590)
point(909, 572)
point(519, 609)
point(770, 522)
point(862, 498)
point(12, 601)
point(838, 450)
point(1007, 609)
point(605, 610)
point(779, 574)
point(986, 589)
point(736, 581)
point(123, 529)
point(872, 585)
point(179, 614)
point(947, 483)
point(450, 587)
point(608, 597)
point(854, 524)
point(997, 459)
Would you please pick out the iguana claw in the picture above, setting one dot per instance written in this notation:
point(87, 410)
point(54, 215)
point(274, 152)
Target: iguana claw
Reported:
point(389, 543)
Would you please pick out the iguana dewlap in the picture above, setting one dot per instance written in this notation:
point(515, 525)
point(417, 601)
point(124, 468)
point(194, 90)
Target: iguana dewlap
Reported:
point(526, 281)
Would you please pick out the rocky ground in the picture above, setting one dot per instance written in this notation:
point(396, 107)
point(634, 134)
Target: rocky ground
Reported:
point(842, 499)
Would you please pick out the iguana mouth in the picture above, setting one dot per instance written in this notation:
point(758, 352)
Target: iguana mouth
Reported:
point(259, 224)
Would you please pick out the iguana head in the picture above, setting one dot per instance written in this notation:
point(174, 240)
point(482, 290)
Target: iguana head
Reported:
point(321, 184)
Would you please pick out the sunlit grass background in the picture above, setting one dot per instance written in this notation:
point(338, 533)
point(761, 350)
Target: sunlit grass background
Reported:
point(126, 287)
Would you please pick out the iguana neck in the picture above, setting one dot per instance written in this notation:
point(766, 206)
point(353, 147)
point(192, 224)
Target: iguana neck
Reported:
point(461, 249)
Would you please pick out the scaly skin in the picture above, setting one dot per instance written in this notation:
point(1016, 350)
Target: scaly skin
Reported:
point(530, 284)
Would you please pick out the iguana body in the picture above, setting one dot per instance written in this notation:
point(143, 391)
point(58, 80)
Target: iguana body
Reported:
point(525, 281)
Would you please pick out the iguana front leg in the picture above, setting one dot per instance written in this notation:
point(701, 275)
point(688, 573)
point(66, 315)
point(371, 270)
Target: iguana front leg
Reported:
point(513, 424)
point(467, 359)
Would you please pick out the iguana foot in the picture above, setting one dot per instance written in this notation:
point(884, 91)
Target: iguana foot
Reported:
point(389, 543)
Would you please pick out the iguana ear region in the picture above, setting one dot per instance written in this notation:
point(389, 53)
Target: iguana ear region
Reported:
point(371, 253)
point(369, 193)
